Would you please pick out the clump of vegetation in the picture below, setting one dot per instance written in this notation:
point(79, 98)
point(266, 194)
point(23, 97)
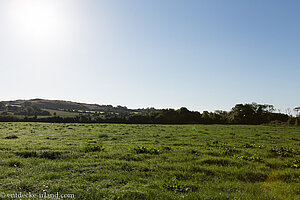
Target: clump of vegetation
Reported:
point(26, 154)
point(284, 151)
point(11, 137)
point(91, 147)
point(14, 163)
point(228, 150)
point(142, 149)
point(175, 186)
point(167, 148)
point(248, 145)
point(194, 152)
point(103, 135)
point(296, 139)
point(254, 157)
point(295, 164)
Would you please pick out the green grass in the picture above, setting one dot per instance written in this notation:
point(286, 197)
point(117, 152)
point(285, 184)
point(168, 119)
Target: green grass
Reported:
point(115, 161)
point(60, 113)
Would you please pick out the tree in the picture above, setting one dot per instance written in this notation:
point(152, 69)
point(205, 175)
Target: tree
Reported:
point(290, 121)
point(205, 117)
point(251, 113)
point(297, 122)
point(243, 114)
point(29, 111)
point(27, 103)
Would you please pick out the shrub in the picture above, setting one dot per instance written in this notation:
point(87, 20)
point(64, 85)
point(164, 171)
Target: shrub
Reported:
point(142, 149)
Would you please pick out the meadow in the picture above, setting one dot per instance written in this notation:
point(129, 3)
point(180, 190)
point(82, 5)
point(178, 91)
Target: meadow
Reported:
point(119, 161)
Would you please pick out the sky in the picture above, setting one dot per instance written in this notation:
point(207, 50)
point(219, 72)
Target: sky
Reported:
point(200, 54)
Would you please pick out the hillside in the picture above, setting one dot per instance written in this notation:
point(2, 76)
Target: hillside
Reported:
point(41, 110)
point(44, 107)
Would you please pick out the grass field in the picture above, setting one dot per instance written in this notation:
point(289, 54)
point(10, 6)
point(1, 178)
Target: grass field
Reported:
point(115, 161)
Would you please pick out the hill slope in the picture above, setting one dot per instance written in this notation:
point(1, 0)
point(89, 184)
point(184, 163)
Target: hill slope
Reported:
point(44, 107)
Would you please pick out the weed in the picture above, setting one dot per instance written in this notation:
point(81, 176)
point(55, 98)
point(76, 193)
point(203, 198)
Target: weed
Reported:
point(14, 163)
point(175, 186)
point(228, 150)
point(248, 145)
point(284, 151)
point(19, 188)
point(194, 152)
point(142, 149)
point(295, 164)
point(167, 148)
point(248, 158)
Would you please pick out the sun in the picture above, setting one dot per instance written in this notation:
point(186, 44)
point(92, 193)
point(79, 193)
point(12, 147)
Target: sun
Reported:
point(37, 20)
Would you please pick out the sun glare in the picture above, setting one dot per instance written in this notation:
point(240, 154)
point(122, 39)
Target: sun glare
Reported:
point(37, 21)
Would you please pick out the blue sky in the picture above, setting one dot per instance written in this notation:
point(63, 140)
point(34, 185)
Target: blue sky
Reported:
point(204, 55)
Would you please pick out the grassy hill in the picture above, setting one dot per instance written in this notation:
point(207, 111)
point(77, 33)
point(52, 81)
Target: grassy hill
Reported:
point(44, 107)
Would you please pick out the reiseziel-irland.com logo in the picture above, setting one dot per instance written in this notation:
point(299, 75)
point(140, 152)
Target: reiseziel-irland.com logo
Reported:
point(30, 195)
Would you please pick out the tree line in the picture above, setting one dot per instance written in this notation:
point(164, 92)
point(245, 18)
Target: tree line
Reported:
point(240, 114)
